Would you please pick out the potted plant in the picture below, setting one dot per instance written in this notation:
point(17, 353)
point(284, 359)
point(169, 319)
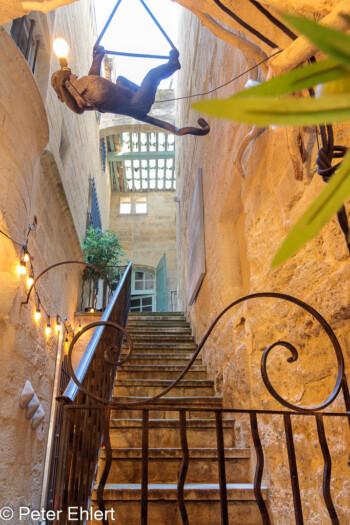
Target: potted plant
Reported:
point(101, 249)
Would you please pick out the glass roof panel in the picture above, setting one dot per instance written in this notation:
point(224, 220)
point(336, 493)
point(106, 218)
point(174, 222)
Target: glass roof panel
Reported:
point(146, 160)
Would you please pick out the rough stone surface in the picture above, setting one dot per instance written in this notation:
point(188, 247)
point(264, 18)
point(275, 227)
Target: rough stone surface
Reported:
point(10, 9)
point(246, 220)
point(54, 188)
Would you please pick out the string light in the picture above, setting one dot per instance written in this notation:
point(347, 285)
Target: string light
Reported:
point(37, 315)
point(79, 327)
point(30, 279)
point(48, 328)
point(26, 256)
point(22, 268)
point(58, 324)
point(92, 310)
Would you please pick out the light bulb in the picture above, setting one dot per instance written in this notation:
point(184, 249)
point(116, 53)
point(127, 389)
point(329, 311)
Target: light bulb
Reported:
point(30, 280)
point(58, 324)
point(79, 327)
point(22, 268)
point(60, 48)
point(48, 329)
point(92, 310)
point(37, 314)
point(26, 256)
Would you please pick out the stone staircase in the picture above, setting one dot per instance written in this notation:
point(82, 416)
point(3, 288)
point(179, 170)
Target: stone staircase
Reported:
point(163, 345)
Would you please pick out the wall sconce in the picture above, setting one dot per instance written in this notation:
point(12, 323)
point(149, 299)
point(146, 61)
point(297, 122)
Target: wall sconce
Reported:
point(30, 402)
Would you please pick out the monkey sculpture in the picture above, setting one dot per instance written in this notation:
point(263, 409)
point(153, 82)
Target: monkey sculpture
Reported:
point(95, 93)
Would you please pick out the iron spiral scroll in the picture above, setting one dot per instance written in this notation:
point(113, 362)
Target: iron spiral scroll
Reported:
point(110, 360)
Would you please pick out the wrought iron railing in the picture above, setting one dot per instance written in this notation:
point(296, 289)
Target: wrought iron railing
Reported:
point(79, 432)
point(96, 405)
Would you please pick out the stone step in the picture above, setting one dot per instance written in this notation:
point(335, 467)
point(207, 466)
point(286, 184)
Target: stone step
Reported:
point(209, 402)
point(201, 433)
point(160, 413)
point(164, 465)
point(158, 314)
point(163, 338)
point(152, 387)
point(202, 504)
point(160, 359)
point(158, 323)
point(162, 330)
point(163, 347)
point(159, 372)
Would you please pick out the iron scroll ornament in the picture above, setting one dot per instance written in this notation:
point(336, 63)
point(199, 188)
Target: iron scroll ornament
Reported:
point(340, 381)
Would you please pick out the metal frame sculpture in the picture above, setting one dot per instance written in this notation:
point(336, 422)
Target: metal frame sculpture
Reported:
point(96, 93)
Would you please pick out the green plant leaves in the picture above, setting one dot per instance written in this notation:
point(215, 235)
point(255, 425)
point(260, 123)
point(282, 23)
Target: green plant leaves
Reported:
point(321, 210)
point(264, 111)
point(102, 249)
point(335, 43)
point(301, 78)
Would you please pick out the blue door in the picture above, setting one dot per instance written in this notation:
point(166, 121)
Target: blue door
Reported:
point(161, 294)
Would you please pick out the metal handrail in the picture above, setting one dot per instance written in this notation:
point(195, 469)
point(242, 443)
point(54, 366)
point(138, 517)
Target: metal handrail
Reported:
point(78, 440)
point(72, 389)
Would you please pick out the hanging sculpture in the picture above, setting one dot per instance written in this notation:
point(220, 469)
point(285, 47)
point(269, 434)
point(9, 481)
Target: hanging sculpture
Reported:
point(95, 93)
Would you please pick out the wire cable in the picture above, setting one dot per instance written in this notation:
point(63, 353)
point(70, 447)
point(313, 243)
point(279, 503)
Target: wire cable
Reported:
point(222, 85)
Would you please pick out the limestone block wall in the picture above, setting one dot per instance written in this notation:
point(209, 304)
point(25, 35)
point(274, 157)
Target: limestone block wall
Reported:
point(47, 155)
point(247, 214)
point(10, 9)
point(74, 139)
point(145, 238)
point(258, 29)
point(30, 185)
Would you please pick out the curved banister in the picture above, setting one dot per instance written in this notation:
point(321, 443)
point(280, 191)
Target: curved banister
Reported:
point(69, 395)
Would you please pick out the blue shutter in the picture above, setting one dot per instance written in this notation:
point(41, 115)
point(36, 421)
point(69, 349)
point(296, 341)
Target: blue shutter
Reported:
point(161, 285)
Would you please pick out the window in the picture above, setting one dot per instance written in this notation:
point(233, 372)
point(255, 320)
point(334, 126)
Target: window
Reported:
point(125, 206)
point(141, 205)
point(22, 32)
point(144, 281)
point(141, 304)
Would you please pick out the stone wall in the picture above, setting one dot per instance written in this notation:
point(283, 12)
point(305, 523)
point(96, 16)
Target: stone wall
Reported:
point(145, 238)
point(44, 173)
point(74, 139)
point(247, 213)
point(10, 9)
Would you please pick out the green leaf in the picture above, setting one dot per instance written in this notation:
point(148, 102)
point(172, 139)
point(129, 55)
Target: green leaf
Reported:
point(264, 111)
point(319, 213)
point(335, 43)
point(298, 79)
